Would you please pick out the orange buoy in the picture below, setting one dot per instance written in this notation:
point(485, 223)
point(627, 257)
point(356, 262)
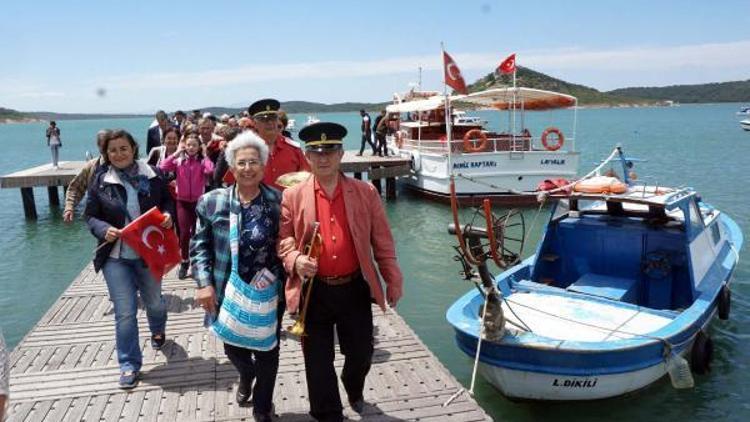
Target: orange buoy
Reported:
point(469, 144)
point(559, 136)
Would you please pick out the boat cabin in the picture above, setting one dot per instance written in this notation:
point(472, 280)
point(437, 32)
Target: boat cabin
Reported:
point(649, 247)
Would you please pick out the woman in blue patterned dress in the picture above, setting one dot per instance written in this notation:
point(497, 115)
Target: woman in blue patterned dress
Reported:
point(234, 262)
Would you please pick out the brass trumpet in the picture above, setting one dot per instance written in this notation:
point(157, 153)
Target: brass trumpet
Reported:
point(312, 249)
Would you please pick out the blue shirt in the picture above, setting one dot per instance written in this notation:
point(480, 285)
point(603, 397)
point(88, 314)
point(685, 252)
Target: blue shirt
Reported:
point(258, 234)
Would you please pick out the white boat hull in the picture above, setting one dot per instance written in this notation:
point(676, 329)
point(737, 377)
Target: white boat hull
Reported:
point(489, 173)
point(745, 124)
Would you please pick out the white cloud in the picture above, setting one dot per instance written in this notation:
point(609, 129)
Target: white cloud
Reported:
point(716, 56)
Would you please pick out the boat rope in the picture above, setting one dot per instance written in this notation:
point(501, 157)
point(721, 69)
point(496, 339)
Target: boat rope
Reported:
point(523, 324)
point(493, 186)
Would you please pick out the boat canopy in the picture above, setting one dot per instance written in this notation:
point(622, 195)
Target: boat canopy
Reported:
point(524, 98)
point(498, 98)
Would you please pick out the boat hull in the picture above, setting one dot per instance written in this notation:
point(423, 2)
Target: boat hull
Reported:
point(509, 177)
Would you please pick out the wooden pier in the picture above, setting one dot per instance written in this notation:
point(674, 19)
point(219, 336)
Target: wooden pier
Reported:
point(66, 369)
point(377, 168)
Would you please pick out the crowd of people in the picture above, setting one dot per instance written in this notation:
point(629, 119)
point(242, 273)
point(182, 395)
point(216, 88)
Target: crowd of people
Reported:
point(242, 237)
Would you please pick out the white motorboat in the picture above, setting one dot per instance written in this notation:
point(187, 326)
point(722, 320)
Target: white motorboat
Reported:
point(311, 119)
point(506, 165)
point(745, 124)
point(744, 111)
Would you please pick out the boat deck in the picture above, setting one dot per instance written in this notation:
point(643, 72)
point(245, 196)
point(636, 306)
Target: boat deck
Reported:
point(65, 369)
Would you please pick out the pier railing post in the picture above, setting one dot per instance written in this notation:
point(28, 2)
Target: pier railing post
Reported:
point(29, 207)
point(390, 188)
point(54, 200)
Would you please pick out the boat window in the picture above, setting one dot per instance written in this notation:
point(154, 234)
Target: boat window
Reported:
point(696, 221)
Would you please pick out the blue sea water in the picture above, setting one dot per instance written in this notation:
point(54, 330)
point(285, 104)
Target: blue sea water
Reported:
point(692, 145)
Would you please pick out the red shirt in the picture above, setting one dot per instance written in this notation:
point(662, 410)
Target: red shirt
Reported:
point(283, 158)
point(338, 256)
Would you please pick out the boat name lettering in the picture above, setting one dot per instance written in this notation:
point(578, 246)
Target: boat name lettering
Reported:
point(575, 383)
point(552, 161)
point(474, 164)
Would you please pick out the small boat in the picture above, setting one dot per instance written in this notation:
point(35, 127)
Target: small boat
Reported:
point(619, 293)
point(744, 111)
point(506, 165)
point(291, 125)
point(311, 119)
point(745, 124)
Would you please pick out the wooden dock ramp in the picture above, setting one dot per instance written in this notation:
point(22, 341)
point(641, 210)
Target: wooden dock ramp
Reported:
point(65, 369)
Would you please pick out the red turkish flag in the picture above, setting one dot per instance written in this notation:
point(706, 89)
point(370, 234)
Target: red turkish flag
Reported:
point(158, 246)
point(508, 65)
point(452, 74)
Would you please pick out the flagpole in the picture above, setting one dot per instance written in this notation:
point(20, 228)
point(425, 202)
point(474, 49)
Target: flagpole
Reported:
point(513, 114)
point(448, 128)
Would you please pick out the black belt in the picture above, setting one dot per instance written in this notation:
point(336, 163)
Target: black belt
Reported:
point(339, 279)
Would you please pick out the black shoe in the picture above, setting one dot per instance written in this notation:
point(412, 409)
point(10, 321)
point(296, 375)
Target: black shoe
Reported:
point(263, 417)
point(358, 405)
point(182, 273)
point(157, 341)
point(243, 393)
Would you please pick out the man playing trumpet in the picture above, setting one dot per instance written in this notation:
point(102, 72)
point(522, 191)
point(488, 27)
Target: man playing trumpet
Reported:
point(357, 246)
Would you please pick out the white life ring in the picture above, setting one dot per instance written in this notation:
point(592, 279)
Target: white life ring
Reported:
point(416, 161)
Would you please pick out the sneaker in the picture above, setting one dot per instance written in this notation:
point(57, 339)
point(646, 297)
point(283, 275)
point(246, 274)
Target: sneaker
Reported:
point(157, 341)
point(129, 379)
point(182, 273)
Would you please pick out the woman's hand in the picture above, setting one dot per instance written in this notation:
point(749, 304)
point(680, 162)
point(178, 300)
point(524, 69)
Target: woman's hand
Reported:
point(206, 298)
point(112, 234)
point(306, 266)
point(167, 223)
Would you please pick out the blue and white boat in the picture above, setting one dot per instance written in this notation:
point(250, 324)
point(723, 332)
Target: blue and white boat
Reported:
point(620, 292)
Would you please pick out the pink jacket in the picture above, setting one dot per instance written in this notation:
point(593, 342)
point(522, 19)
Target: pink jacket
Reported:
point(190, 175)
point(369, 228)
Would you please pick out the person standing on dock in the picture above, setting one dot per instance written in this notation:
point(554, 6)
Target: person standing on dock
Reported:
point(116, 197)
point(54, 143)
point(78, 186)
point(380, 131)
point(4, 376)
point(285, 155)
point(366, 132)
point(234, 250)
point(357, 245)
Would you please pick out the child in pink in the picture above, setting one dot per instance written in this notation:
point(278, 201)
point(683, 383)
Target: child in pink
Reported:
point(191, 167)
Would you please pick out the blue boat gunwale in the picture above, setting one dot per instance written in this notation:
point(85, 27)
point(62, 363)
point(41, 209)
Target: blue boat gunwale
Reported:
point(678, 332)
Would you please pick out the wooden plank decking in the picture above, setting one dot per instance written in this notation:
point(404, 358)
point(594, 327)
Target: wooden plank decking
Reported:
point(65, 369)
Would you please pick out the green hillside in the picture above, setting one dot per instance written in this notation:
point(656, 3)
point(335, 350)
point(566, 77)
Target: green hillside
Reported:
point(8, 114)
point(737, 91)
point(532, 79)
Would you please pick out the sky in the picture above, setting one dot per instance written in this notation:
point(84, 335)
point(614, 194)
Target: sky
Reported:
point(139, 56)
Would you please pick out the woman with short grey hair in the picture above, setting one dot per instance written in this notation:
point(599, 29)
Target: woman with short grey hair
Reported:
point(234, 261)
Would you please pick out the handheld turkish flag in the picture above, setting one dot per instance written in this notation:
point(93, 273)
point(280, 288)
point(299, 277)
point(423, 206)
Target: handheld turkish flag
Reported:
point(157, 246)
point(453, 76)
point(508, 65)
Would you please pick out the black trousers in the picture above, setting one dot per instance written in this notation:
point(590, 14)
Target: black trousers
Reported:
point(366, 138)
point(347, 308)
point(381, 144)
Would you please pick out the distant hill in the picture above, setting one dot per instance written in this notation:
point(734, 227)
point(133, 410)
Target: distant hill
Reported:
point(532, 79)
point(48, 115)
point(722, 92)
point(12, 116)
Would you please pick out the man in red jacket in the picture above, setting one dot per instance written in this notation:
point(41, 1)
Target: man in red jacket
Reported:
point(357, 248)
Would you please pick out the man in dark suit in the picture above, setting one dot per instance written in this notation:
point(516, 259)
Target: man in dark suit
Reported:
point(154, 135)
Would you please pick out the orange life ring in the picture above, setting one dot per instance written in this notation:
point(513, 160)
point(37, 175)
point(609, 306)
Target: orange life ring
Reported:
point(601, 184)
point(469, 145)
point(560, 139)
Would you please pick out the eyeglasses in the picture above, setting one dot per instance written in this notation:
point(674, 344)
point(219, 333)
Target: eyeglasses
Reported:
point(247, 164)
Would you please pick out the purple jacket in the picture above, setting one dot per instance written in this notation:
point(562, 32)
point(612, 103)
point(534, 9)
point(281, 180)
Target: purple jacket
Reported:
point(190, 174)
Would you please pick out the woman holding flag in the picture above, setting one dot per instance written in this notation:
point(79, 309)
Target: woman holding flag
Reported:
point(238, 272)
point(124, 190)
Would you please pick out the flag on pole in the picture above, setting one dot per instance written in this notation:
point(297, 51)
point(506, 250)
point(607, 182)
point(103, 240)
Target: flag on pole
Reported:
point(452, 74)
point(508, 65)
point(157, 246)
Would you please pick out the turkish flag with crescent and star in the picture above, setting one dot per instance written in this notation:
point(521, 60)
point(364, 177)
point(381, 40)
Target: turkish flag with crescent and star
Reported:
point(157, 246)
point(508, 65)
point(453, 77)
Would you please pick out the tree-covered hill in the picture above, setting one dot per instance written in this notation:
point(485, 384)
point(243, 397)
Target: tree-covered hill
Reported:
point(737, 91)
